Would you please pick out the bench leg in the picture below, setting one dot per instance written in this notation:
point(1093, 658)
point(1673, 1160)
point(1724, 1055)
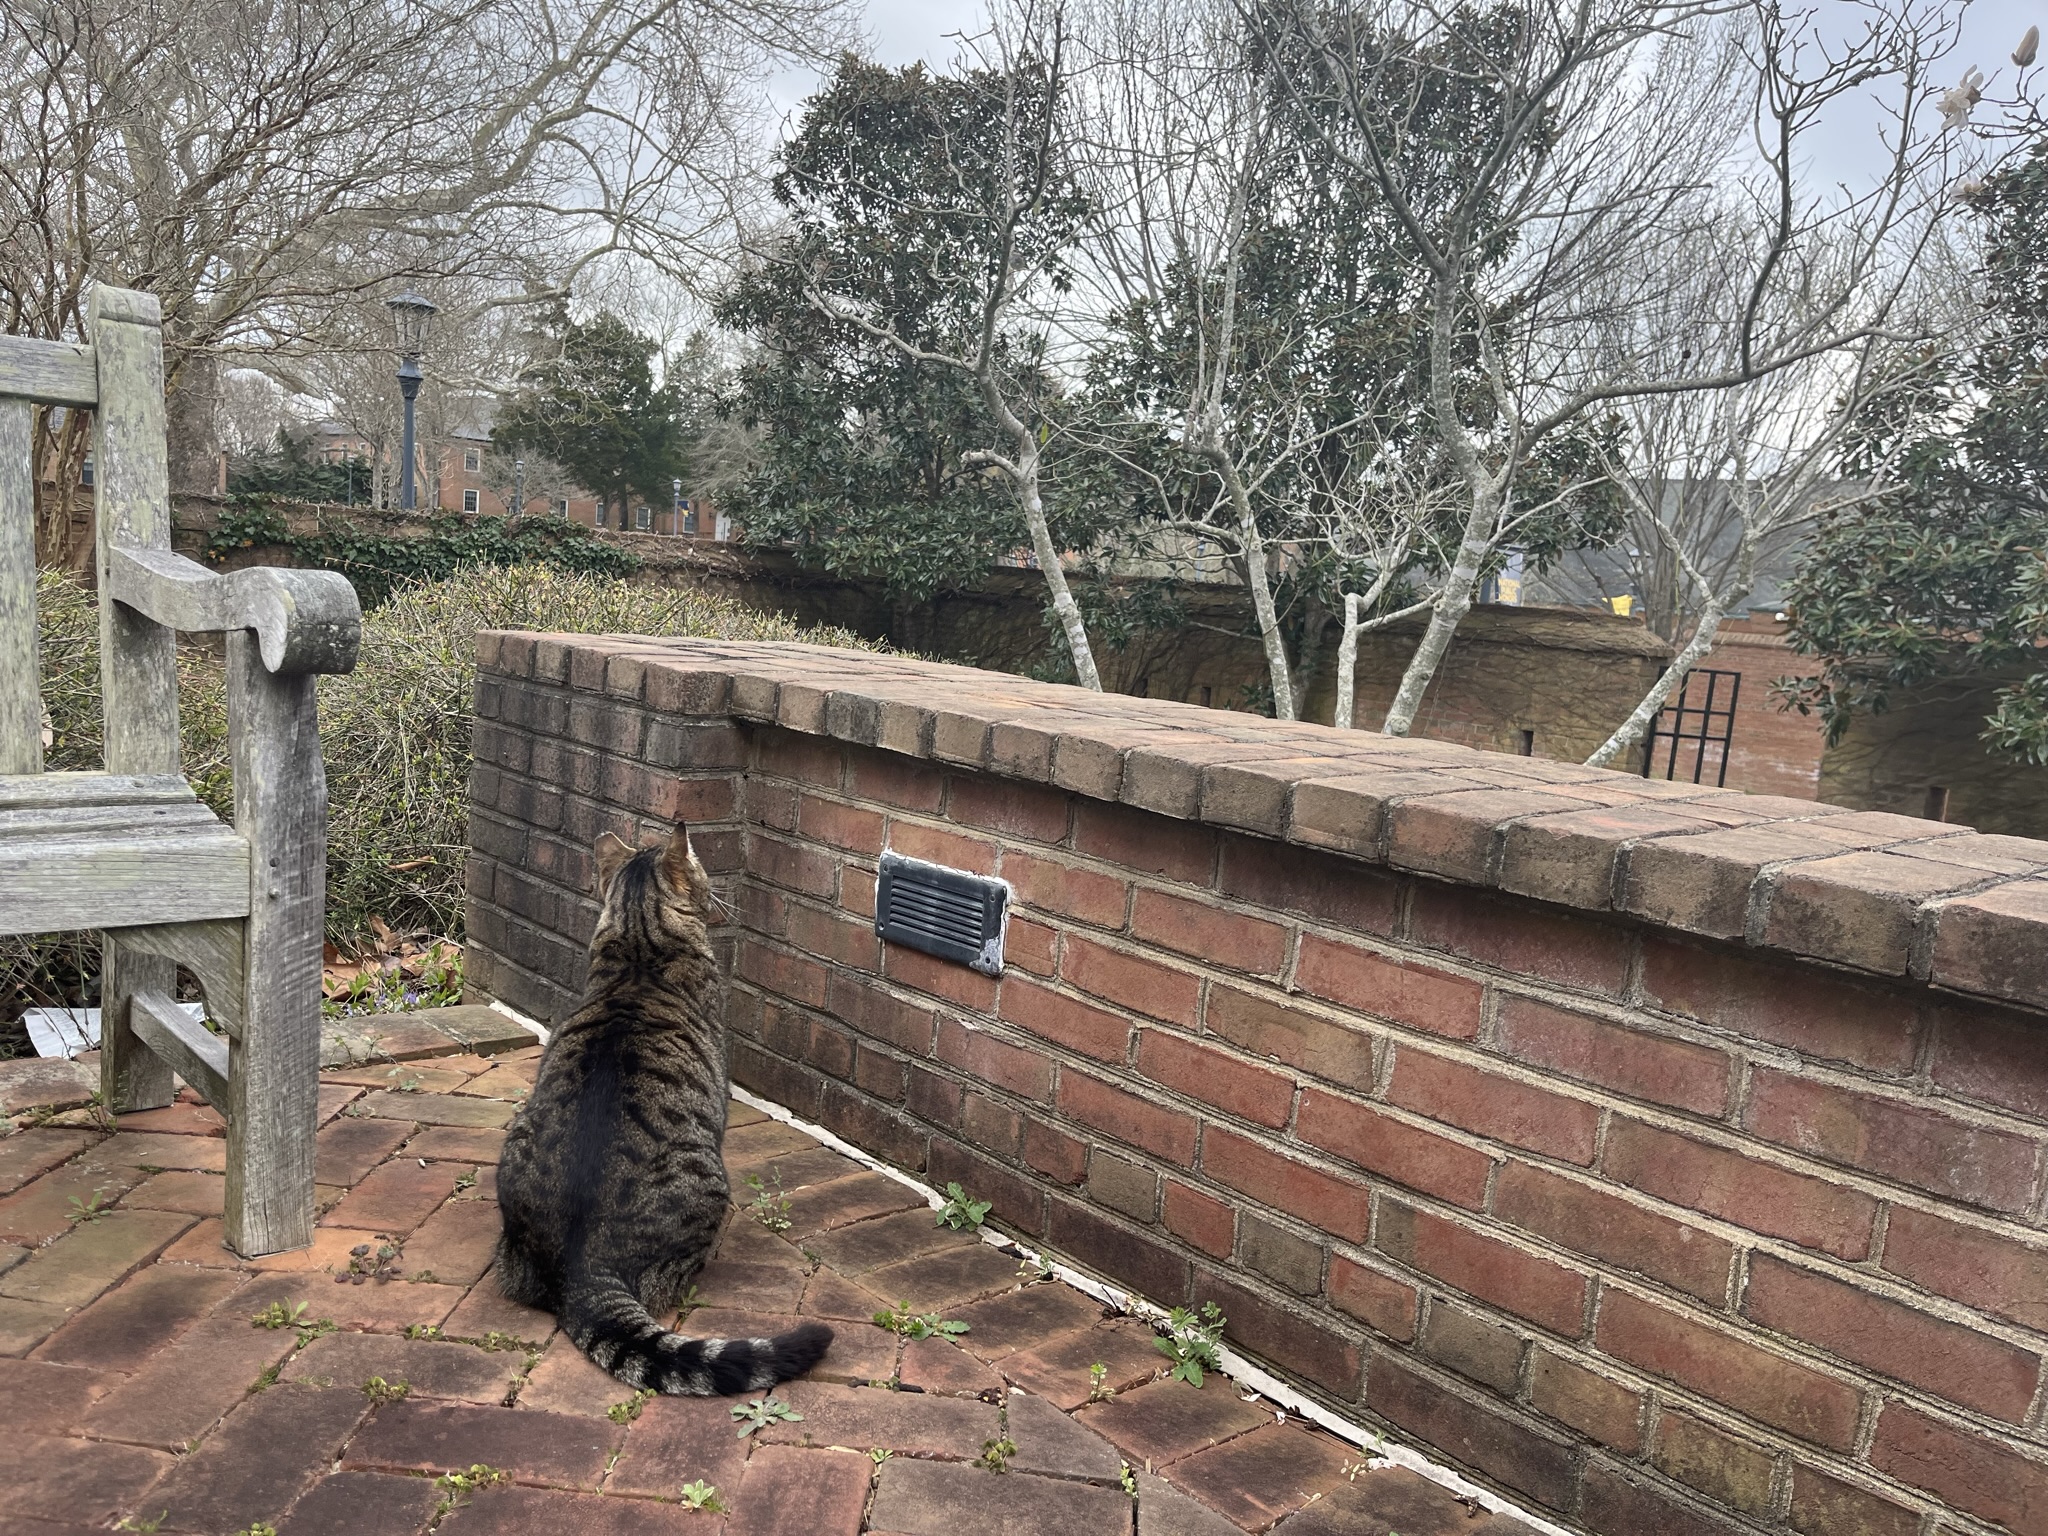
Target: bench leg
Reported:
point(274, 1066)
point(132, 1076)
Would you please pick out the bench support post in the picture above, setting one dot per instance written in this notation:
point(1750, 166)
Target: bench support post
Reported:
point(274, 1059)
point(138, 659)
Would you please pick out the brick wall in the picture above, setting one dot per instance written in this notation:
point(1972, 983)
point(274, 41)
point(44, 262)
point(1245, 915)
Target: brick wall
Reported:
point(1775, 751)
point(1670, 1159)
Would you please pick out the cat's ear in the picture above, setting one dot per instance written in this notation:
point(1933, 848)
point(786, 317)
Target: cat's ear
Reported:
point(612, 853)
point(677, 857)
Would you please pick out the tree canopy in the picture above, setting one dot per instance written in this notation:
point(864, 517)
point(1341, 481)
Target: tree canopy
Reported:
point(592, 405)
point(1946, 579)
point(893, 188)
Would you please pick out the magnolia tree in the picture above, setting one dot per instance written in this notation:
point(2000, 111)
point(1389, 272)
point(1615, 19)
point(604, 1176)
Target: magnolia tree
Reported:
point(928, 221)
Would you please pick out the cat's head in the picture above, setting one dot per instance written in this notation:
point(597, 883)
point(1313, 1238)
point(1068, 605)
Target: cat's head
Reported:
point(663, 887)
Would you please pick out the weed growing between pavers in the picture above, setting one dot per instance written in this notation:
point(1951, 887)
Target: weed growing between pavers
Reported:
point(1191, 1342)
point(1099, 1390)
point(88, 1210)
point(879, 1455)
point(378, 1390)
point(701, 1495)
point(380, 1264)
point(995, 1454)
point(278, 1315)
point(769, 1209)
point(961, 1212)
point(899, 1319)
point(423, 1330)
point(1129, 1481)
point(629, 1410)
point(456, 1487)
point(130, 1523)
point(260, 1528)
point(761, 1412)
point(494, 1341)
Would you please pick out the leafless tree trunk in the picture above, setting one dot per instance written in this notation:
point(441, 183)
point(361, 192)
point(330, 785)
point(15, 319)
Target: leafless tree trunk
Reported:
point(1179, 136)
point(1588, 135)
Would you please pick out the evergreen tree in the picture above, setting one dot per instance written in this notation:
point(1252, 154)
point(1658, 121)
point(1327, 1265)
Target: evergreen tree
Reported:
point(901, 189)
point(1946, 580)
point(592, 406)
point(288, 471)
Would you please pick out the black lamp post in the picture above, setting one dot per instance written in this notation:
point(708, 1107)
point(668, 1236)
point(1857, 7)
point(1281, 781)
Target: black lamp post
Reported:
point(413, 315)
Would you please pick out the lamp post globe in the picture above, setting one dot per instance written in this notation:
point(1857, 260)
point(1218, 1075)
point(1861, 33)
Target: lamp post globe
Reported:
point(413, 317)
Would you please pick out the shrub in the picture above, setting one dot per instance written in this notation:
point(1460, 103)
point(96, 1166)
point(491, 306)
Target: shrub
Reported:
point(396, 734)
point(413, 549)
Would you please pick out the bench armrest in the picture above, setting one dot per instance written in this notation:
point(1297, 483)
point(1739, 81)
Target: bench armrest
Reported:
point(305, 621)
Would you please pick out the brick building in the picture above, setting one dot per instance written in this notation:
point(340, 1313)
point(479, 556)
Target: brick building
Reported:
point(460, 481)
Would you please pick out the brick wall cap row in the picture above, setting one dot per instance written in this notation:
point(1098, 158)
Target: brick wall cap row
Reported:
point(1883, 894)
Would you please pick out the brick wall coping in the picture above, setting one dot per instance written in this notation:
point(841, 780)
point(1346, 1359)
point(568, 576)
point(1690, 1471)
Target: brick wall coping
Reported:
point(1889, 895)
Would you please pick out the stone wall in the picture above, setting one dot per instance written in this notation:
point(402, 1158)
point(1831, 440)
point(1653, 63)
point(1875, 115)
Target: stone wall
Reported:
point(1670, 1159)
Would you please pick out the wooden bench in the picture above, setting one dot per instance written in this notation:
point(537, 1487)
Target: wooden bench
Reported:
point(131, 850)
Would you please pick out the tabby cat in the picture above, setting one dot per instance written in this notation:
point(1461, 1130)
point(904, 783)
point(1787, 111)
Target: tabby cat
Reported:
point(611, 1184)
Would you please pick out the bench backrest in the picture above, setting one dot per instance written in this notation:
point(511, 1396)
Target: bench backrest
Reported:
point(119, 377)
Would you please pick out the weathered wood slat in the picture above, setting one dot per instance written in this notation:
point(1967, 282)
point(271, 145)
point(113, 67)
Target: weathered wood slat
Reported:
point(52, 372)
point(21, 704)
point(100, 820)
point(199, 1057)
point(138, 658)
point(26, 792)
point(307, 621)
point(212, 952)
point(65, 884)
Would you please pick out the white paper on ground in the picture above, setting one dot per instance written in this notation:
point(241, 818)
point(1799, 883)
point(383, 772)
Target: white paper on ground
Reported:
point(70, 1031)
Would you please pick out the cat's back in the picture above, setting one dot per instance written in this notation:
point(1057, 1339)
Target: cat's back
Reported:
point(628, 1080)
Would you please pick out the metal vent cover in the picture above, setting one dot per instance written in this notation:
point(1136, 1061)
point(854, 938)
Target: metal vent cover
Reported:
point(945, 912)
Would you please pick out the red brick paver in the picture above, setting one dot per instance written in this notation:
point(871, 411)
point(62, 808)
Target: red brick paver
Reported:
point(139, 1379)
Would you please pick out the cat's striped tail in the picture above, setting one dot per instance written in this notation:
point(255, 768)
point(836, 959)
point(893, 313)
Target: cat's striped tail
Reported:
point(605, 1320)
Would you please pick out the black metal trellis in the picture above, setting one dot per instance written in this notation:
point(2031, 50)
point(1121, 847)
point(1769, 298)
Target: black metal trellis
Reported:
point(1699, 718)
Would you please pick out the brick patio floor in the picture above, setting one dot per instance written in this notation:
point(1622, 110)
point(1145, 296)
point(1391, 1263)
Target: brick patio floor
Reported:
point(135, 1382)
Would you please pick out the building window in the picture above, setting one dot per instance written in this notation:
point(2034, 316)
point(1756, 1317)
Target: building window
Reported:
point(642, 518)
point(472, 460)
point(562, 507)
point(85, 471)
point(597, 513)
point(469, 501)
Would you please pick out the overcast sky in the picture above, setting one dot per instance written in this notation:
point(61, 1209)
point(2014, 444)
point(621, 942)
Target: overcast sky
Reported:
point(903, 31)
